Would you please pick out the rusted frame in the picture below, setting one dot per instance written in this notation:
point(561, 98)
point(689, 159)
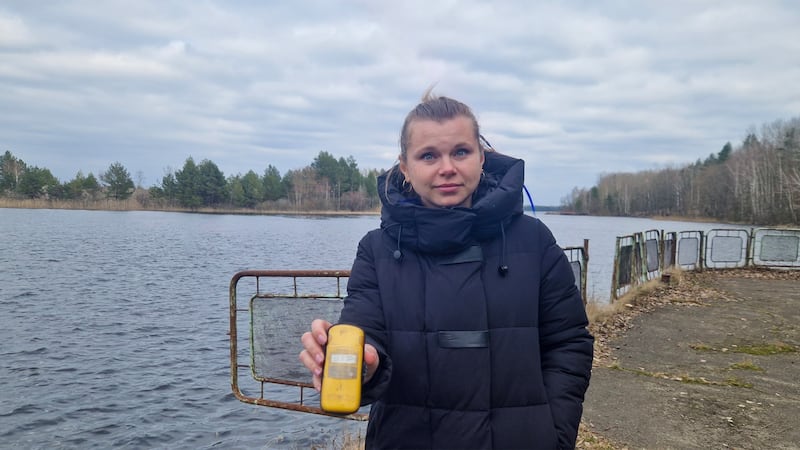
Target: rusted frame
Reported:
point(583, 258)
point(708, 243)
point(651, 235)
point(698, 265)
point(759, 234)
point(618, 290)
point(234, 344)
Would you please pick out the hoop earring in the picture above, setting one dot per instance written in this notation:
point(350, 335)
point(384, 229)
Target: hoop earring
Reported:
point(483, 175)
point(407, 186)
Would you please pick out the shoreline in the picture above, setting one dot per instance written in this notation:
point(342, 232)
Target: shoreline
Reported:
point(133, 205)
point(680, 219)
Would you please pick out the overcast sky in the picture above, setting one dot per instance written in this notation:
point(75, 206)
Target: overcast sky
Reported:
point(576, 88)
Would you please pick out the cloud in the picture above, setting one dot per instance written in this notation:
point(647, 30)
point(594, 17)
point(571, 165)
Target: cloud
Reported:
point(576, 89)
point(14, 33)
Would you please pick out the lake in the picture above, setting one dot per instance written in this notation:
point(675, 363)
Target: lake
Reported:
point(114, 324)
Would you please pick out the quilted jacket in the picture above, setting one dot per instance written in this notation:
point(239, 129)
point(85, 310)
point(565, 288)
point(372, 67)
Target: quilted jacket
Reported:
point(477, 320)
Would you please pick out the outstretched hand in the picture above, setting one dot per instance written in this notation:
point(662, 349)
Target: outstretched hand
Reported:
point(313, 354)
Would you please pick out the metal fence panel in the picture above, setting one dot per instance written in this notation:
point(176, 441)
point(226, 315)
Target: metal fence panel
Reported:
point(689, 249)
point(652, 249)
point(626, 268)
point(637, 256)
point(652, 255)
point(668, 257)
point(276, 306)
point(625, 265)
point(726, 248)
point(578, 260)
point(576, 272)
point(774, 247)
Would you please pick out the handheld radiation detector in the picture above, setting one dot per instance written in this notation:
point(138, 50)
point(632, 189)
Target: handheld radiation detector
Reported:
point(341, 377)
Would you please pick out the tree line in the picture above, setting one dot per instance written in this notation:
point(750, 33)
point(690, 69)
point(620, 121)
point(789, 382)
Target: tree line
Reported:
point(327, 183)
point(756, 182)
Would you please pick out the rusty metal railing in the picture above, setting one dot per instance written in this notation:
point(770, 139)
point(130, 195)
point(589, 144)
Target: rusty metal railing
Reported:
point(264, 290)
point(247, 352)
point(641, 257)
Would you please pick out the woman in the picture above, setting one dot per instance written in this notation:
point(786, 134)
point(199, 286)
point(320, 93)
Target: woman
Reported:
point(476, 334)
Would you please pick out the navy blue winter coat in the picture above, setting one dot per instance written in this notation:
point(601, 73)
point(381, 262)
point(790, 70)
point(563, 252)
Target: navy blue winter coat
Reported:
point(479, 326)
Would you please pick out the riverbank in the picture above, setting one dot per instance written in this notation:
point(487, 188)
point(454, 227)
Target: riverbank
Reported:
point(134, 205)
point(659, 218)
point(707, 361)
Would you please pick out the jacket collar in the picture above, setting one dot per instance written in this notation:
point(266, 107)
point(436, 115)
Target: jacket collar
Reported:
point(495, 202)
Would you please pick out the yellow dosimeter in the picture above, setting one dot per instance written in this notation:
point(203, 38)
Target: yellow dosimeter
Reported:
point(341, 377)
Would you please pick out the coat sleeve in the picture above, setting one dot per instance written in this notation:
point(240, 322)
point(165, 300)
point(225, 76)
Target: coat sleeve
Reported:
point(363, 308)
point(566, 345)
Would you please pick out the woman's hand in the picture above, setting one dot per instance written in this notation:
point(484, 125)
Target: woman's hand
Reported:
point(371, 360)
point(313, 354)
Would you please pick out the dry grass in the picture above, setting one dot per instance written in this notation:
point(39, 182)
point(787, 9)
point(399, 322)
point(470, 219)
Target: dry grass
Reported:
point(105, 204)
point(599, 312)
point(588, 439)
point(747, 365)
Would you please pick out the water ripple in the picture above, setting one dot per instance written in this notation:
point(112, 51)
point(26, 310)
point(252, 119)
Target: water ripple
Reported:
point(24, 409)
point(114, 327)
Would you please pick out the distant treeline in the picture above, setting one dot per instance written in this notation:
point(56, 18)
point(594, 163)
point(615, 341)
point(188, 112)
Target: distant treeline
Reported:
point(756, 182)
point(327, 184)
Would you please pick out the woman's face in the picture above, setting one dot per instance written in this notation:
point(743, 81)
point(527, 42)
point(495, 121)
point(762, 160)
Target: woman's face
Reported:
point(443, 161)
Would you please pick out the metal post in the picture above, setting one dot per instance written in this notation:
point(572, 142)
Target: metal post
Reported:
point(614, 281)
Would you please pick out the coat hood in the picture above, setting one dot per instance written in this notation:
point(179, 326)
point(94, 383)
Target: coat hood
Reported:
point(495, 202)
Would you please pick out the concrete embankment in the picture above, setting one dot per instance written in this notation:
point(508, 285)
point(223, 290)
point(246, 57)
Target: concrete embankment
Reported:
point(710, 362)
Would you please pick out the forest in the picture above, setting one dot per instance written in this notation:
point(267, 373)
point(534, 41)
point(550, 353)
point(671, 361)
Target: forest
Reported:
point(755, 182)
point(328, 184)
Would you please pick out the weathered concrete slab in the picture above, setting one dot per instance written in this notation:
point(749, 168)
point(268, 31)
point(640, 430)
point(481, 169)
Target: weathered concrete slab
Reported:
point(686, 377)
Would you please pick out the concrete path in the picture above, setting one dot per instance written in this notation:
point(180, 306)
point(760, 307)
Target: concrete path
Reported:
point(720, 373)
